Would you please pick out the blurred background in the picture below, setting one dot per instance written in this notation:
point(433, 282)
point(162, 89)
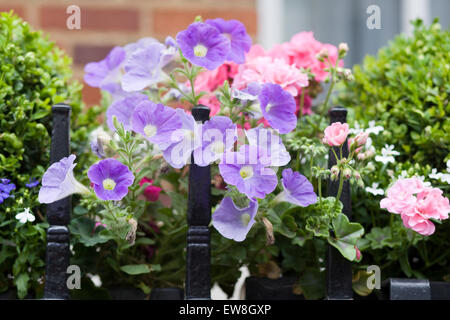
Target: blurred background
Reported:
point(365, 25)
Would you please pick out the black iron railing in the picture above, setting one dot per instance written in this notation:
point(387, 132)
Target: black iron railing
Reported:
point(198, 261)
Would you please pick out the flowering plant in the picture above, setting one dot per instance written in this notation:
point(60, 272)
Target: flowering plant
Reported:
point(257, 141)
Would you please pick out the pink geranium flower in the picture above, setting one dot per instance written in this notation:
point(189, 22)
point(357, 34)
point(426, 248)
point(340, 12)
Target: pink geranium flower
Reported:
point(302, 50)
point(335, 134)
point(416, 204)
point(262, 68)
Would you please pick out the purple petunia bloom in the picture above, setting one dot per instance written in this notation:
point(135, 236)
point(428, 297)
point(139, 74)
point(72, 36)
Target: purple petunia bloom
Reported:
point(58, 181)
point(203, 45)
point(236, 32)
point(271, 144)
point(106, 74)
point(5, 189)
point(278, 107)
point(110, 179)
point(32, 183)
point(247, 170)
point(297, 189)
point(233, 222)
point(156, 123)
point(143, 68)
point(123, 109)
point(219, 135)
point(183, 141)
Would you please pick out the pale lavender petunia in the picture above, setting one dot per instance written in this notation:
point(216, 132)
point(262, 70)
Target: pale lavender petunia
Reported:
point(123, 109)
point(183, 141)
point(156, 123)
point(233, 222)
point(143, 68)
point(278, 107)
point(106, 74)
point(271, 144)
point(203, 45)
point(236, 32)
point(297, 189)
point(110, 179)
point(248, 170)
point(59, 182)
point(219, 135)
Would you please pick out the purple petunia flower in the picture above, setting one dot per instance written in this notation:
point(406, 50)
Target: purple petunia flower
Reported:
point(106, 74)
point(123, 109)
point(271, 144)
point(278, 107)
point(5, 189)
point(219, 135)
point(236, 32)
point(143, 67)
point(203, 45)
point(58, 181)
point(233, 222)
point(156, 123)
point(297, 189)
point(183, 141)
point(247, 170)
point(110, 179)
point(32, 182)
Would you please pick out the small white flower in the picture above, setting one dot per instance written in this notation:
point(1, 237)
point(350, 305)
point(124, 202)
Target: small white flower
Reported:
point(95, 278)
point(373, 128)
point(356, 129)
point(444, 177)
point(425, 183)
point(448, 165)
point(25, 216)
point(387, 154)
point(375, 190)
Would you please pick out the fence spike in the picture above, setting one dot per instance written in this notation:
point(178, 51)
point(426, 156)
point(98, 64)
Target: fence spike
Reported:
point(198, 255)
point(339, 270)
point(58, 213)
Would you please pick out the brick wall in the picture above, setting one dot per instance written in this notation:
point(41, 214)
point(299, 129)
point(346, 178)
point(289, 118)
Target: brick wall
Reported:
point(105, 23)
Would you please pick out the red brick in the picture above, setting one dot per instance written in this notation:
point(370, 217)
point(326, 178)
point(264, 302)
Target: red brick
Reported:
point(19, 10)
point(171, 21)
point(91, 96)
point(95, 19)
point(83, 54)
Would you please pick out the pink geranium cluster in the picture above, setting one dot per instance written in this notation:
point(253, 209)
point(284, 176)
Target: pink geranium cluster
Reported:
point(302, 52)
point(416, 204)
point(261, 67)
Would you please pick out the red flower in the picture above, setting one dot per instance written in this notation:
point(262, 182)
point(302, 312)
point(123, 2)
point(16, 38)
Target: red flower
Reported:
point(151, 193)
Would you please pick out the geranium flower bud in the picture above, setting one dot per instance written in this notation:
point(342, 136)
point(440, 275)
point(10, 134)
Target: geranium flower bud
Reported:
point(343, 48)
point(361, 138)
point(347, 173)
point(335, 170)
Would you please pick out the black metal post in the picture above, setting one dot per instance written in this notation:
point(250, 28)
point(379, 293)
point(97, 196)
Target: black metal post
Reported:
point(339, 270)
point(58, 214)
point(198, 261)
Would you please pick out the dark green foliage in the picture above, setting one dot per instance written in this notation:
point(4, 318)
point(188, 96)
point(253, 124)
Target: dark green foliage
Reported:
point(34, 75)
point(406, 89)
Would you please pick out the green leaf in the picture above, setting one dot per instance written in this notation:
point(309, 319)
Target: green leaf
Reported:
point(346, 235)
point(83, 227)
point(134, 269)
point(21, 282)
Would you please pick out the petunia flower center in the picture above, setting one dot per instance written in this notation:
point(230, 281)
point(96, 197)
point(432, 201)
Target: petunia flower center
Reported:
point(200, 50)
point(246, 172)
point(109, 184)
point(150, 130)
point(245, 219)
point(218, 147)
point(268, 107)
